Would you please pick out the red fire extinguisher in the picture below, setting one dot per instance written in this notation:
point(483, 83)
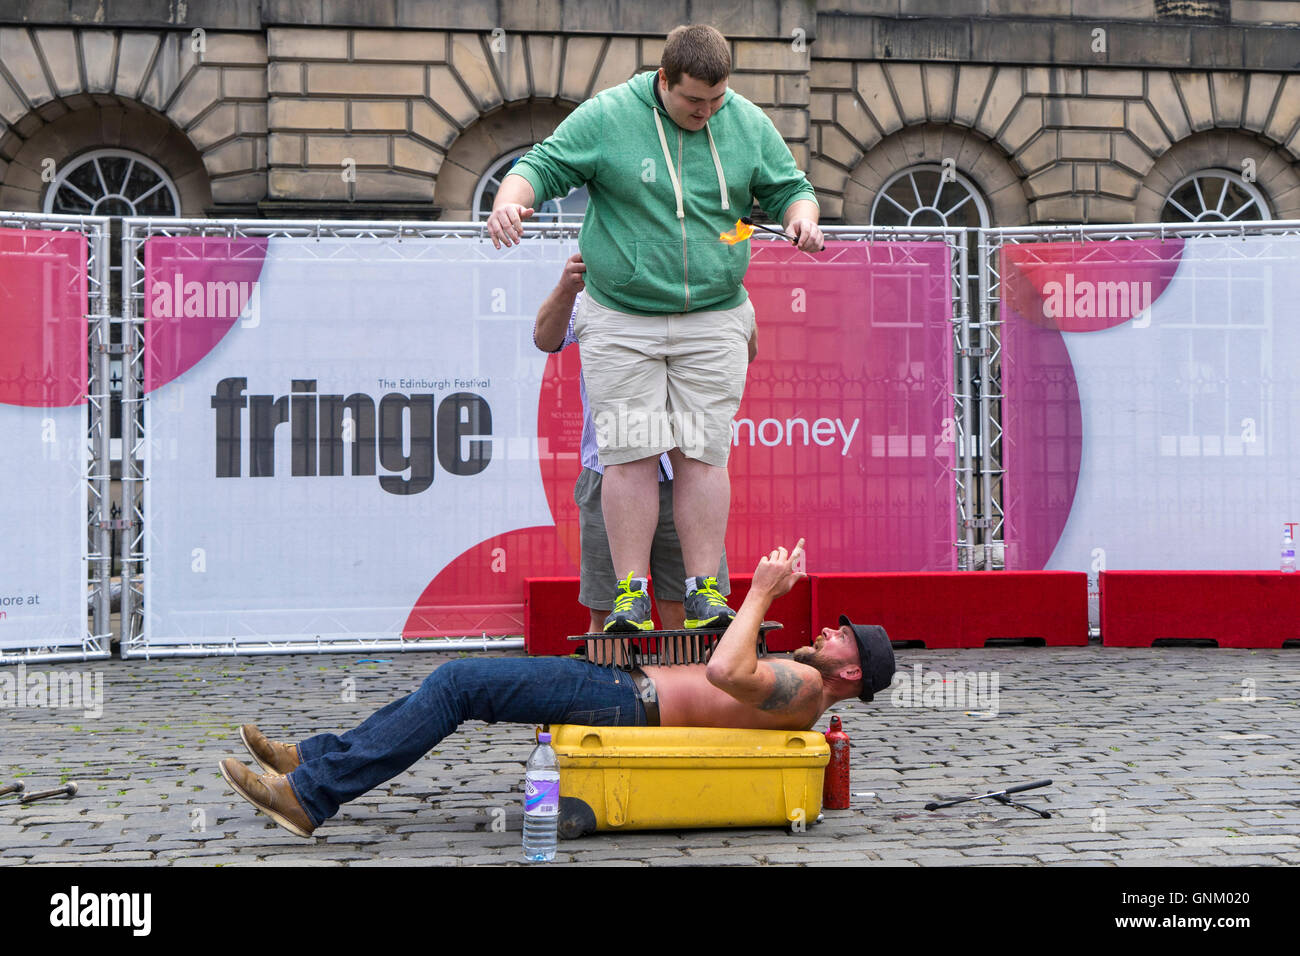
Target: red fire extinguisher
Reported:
point(835, 785)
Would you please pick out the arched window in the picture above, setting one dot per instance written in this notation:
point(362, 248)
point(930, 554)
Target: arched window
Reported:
point(112, 182)
point(1214, 195)
point(570, 209)
point(929, 195)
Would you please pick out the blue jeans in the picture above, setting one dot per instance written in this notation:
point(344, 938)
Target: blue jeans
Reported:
point(336, 769)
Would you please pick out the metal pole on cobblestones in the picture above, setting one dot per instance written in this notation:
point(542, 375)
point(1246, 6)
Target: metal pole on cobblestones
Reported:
point(69, 788)
point(16, 787)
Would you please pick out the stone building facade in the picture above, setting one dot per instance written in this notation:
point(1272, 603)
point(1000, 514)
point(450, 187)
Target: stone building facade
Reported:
point(1043, 110)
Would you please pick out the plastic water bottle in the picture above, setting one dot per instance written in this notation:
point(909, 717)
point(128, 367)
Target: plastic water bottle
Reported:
point(541, 801)
point(1288, 550)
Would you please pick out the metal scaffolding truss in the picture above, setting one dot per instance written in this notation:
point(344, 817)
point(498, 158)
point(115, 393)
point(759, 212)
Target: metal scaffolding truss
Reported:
point(139, 229)
point(96, 556)
point(990, 515)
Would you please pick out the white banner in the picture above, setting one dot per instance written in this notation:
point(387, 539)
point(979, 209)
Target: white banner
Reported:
point(1153, 403)
point(330, 423)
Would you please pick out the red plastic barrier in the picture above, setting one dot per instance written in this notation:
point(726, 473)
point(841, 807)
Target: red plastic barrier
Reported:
point(1234, 608)
point(552, 613)
point(961, 608)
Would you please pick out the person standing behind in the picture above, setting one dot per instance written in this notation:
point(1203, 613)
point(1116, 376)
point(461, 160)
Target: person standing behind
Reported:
point(553, 332)
point(670, 159)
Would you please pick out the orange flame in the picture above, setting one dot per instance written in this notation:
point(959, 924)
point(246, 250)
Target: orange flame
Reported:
point(739, 234)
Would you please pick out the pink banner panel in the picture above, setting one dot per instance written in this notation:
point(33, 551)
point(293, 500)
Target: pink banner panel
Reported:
point(43, 290)
point(845, 435)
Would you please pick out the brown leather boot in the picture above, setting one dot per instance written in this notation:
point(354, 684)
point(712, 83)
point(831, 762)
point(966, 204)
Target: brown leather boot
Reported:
point(271, 794)
point(274, 756)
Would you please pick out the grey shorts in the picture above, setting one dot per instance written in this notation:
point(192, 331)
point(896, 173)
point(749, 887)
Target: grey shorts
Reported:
point(668, 570)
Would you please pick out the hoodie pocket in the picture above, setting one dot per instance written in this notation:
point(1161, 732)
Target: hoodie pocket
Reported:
point(657, 283)
point(715, 270)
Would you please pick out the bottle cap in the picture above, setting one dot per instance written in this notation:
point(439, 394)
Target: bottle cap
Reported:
point(544, 738)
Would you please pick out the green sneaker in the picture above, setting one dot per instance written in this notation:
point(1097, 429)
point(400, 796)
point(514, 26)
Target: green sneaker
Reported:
point(705, 606)
point(631, 608)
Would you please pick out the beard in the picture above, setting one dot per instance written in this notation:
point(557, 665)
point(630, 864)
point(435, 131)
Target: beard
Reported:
point(814, 658)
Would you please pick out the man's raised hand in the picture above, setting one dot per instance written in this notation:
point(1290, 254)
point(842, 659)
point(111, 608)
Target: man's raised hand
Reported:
point(776, 572)
point(571, 280)
point(506, 224)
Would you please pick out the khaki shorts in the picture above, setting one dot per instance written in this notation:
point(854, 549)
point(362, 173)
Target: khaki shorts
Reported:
point(599, 585)
point(661, 382)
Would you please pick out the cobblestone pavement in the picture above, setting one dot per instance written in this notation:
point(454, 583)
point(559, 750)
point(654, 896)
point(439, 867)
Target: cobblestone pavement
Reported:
point(1164, 756)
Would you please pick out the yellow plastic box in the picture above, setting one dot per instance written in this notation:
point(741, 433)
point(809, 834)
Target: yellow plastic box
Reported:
point(646, 778)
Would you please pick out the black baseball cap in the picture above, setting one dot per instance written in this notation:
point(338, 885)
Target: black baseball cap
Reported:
point(875, 654)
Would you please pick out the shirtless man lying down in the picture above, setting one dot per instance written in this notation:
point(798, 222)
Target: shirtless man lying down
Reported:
point(305, 783)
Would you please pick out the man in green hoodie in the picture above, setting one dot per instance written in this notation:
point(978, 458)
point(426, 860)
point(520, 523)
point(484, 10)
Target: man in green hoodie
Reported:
point(666, 319)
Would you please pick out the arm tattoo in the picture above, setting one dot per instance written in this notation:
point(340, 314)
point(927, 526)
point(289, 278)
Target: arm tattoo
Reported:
point(784, 690)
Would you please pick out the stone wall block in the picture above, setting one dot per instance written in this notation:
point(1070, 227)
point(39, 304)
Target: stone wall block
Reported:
point(285, 150)
point(1115, 83)
point(352, 79)
point(411, 46)
point(874, 90)
point(972, 83)
point(1286, 113)
point(580, 57)
point(837, 74)
point(1023, 124)
point(544, 60)
point(97, 53)
point(284, 78)
point(238, 155)
point(287, 43)
point(1195, 88)
point(245, 188)
point(379, 115)
point(432, 125)
point(306, 184)
point(1229, 92)
point(59, 47)
point(200, 91)
point(940, 81)
point(758, 88)
point(619, 66)
point(323, 150)
point(286, 114)
point(1113, 181)
point(512, 67)
point(219, 124)
point(854, 119)
point(905, 78)
point(1004, 94)
point(243, 84)
point(1142, 124)
point(450, 97)
point(1165, 103)
point(793, 89)
point(1262, 89)
point(834, 145)
point(232, 49)
point(470, 62)
point(414, 156)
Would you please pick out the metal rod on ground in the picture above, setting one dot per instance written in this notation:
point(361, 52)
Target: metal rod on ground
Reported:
point(999, 795)
point(69, 788)
point(16, 787)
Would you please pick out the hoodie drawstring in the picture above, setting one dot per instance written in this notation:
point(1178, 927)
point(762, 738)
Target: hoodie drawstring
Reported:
point(672, 168)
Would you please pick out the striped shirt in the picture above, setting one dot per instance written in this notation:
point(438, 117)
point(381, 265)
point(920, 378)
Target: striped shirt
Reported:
point(590, 456)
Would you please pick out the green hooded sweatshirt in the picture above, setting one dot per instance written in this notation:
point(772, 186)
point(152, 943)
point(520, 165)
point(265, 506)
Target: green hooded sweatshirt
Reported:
point(662, 195)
